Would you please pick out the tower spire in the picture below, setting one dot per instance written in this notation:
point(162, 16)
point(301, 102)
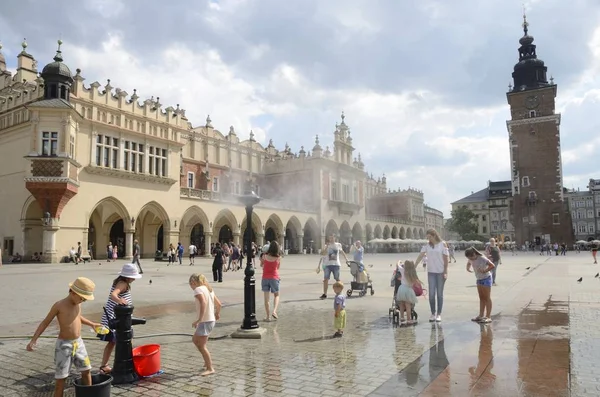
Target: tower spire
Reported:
point(525, 23)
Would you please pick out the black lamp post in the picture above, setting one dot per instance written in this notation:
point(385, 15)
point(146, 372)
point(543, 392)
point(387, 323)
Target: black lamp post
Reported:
point(249, 199)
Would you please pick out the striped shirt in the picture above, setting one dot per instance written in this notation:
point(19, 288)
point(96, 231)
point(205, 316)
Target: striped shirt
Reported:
point(110, 304)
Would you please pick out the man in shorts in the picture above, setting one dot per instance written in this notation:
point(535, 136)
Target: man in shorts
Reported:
point(333, 263)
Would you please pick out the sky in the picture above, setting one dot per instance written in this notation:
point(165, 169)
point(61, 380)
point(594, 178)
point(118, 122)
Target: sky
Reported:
point(422, 83)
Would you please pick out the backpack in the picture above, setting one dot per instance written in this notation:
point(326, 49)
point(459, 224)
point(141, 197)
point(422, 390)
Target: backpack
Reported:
point(418, 288)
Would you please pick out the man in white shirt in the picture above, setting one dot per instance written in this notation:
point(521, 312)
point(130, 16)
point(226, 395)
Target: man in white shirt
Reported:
point(334, 250)
point(193, 251)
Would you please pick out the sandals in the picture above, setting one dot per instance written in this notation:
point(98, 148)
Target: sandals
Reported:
point(275, 316)
point(477, 319)
point(482, 320)
point(105, 370)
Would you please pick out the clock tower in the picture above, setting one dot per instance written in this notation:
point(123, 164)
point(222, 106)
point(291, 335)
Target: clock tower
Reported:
point(539, 211)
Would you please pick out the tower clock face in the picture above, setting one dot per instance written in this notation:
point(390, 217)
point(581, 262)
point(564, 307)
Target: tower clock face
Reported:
point(532, 102)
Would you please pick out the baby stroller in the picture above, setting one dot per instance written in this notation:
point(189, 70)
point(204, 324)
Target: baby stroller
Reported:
point(361, 281)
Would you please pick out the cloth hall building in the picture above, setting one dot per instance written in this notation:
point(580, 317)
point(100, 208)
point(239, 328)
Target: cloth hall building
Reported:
point(97, 165)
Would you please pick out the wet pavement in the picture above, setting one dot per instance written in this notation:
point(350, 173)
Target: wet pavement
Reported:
point(542, 342)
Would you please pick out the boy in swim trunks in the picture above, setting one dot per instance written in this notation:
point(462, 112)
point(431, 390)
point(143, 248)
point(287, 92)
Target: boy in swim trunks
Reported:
point(69, 345)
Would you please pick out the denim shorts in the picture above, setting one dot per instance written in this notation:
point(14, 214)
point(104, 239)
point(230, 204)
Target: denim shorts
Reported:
point(331, 269)
point(486, 282)
point(270, 285)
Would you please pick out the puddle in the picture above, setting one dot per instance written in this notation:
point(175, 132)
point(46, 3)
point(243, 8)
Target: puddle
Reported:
point(524, 355)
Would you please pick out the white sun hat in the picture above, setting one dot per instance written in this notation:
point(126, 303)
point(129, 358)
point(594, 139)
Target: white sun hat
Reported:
point(130, 270)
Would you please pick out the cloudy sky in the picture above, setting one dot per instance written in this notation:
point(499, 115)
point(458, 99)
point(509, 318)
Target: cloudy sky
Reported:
point(422, 82)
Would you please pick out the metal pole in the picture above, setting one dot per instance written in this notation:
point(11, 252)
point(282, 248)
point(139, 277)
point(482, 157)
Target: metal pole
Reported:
point(249, 281)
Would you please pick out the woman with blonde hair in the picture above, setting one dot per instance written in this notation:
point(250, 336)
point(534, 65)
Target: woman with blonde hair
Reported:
point(437, 271)
point(208, 307)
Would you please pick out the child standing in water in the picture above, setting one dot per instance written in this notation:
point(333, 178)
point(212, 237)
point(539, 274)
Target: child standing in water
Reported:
point(482, 267)
point(406, 296)
point(339, 305)
point(208, 308)
point(70, 349)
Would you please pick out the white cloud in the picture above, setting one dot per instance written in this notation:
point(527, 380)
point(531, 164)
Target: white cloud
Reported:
point(201, 82)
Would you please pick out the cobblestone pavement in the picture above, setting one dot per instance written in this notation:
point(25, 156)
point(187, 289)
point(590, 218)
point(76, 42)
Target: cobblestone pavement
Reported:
point(540, 343)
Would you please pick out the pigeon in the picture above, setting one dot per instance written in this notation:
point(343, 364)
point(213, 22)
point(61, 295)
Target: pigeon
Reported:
point(370, 265)
point(150, 282)
point(597, 275)
point(580, 279)
point(390, 265)
point(527, 268)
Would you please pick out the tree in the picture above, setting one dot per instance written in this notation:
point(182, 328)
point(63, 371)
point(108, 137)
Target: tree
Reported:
point(462, 223)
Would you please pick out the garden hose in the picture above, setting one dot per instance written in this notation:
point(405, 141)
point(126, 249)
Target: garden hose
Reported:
point(4, 337)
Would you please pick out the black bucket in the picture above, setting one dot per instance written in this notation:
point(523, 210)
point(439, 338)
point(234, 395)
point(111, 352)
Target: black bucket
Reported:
point(100, 386)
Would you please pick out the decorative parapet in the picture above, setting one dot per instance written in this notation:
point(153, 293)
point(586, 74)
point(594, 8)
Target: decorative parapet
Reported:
point(129, 175)
point(388, 219)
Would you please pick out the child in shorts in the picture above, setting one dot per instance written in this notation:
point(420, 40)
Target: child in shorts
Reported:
point(70, 349)
point(339, 305)
point(208, 308)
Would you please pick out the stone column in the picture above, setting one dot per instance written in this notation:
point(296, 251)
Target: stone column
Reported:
point(50, 254)
point(172, 238)
point(129, 243)
point(207, 242)
point(281, 240)
point(260, 240)
point(236, 238)
point(300, 243)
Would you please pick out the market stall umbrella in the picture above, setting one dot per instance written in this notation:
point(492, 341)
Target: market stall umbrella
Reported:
point(581, 242)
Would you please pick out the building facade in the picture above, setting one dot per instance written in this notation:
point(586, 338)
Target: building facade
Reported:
point(539, 210)
point(97, 165)
point(585, 211)
point(491, 207)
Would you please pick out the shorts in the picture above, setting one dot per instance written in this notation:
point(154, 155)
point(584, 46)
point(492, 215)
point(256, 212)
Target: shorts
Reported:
point(68, 353)
point(270, 285)
point(339, 322)
point(205, 328)
point(192, 256)
point(331, 269)
point(486, 282)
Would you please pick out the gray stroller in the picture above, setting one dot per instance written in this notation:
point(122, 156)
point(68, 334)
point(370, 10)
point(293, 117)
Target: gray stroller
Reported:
point(361, 281)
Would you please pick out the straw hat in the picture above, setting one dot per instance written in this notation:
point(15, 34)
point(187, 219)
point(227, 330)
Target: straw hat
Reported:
point(83, 287)
point(130, 270)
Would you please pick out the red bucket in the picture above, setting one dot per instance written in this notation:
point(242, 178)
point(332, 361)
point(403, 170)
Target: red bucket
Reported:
point(146, 359)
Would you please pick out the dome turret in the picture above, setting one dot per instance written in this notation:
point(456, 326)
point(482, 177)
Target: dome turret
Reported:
point(57, 78)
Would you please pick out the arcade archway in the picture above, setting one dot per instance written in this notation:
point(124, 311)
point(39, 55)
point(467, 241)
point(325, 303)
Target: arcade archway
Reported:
point(106, 225)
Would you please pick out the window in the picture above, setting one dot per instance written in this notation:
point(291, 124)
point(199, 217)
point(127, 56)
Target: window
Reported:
point(597, 199)
point(484, 229)
point(133, 157)
point(354, 193)
point(582, 228)
point(49, 143)
point(555, 219)
point(72, 146)
point(190, 180)
point(525, 181)
point(590, 213)
point(580, 214)
point(532, 113)
point(215, 184)
point(157, 161)
point(345, 193)
point(333, 190)
point(591, 228)
point(483, 217)
point(237, 188)
point(107, 151)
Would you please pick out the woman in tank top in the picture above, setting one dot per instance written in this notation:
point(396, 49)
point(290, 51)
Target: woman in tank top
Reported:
point(270, 263)
point(120, 294)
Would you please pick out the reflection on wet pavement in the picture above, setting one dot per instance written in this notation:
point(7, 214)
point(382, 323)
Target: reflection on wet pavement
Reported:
point(527, 355)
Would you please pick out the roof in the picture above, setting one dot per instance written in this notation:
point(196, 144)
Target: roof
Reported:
point(476, 197)
point(57, 103)
point(500, 185)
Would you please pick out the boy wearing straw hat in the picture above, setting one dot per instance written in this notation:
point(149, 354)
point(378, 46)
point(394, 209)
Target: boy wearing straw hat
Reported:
point(69, 345)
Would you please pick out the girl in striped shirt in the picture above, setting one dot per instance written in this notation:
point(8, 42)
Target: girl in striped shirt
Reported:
point(120, 294)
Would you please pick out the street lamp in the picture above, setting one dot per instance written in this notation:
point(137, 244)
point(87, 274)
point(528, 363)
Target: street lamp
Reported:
point(250, 328)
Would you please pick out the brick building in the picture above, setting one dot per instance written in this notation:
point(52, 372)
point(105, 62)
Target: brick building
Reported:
point(539, 210)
